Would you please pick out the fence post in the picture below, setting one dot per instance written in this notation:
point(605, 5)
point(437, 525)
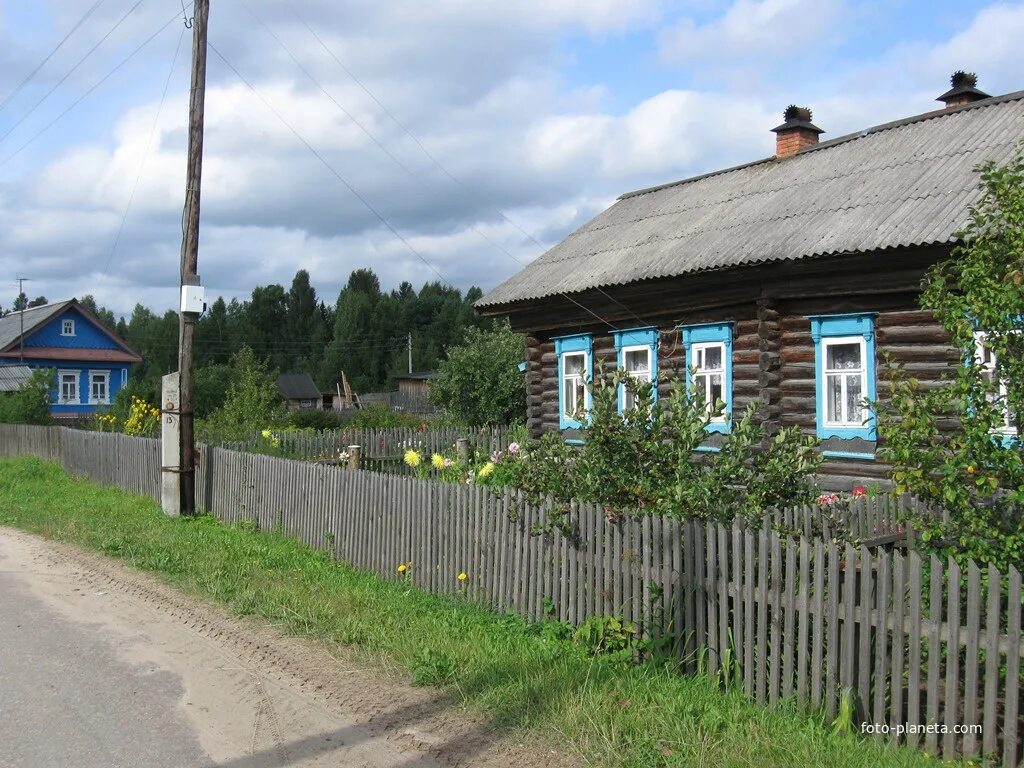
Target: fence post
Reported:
point(462, 448)
point(353, 456)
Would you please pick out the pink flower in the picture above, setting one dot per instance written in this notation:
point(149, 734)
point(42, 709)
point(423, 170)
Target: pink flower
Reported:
point(513, 448)
point(496, 457)
point(828, 499)
point(859, 492)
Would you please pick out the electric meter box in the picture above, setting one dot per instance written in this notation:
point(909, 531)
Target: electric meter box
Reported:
point(193, 299)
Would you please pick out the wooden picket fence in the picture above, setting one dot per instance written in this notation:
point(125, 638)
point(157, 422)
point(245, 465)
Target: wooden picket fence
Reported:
point(381, 449)
point(922, 648)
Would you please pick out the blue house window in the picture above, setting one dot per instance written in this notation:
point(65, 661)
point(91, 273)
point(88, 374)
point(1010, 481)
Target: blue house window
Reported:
point(709, 368)
point(575, 371)
point(844, 361)
point(67, 328)
point(637, 353)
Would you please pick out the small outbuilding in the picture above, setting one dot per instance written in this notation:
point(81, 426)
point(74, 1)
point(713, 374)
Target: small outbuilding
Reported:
point(299, 391)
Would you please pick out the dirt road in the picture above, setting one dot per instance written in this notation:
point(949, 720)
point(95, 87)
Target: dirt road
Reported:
point(103, 666)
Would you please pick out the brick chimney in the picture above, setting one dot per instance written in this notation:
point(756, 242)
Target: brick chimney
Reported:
point(964, 90)
point(796, 133)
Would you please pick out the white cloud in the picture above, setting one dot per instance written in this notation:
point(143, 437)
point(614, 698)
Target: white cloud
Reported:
point(481, 83)
point(670, 134)
point(750, 28)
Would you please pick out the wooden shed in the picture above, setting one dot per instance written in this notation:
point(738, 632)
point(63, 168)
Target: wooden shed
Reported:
point(782, 281)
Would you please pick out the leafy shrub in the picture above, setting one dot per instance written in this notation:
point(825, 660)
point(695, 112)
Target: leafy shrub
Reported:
point(646, 460)
point(379, 416)
point(30, 403)
point(313, 418)
point(480, 382)
point(252, 403)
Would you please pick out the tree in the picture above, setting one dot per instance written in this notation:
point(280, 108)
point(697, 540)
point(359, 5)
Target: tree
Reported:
point(955, 443)
point(354, 341)
point(306, 328)
point(22, 302)
point(30, 403)
point(251, 404)
point(480, 382)
point(106, 317)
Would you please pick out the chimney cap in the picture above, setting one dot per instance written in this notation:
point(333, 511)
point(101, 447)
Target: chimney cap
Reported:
point(797, 117)
point(964, 89)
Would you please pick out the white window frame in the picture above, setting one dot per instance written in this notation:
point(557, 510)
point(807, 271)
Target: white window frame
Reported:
point(67, 327)
point(980, 343)
point(60, 387)
point(567, 412)
point(105, 375)
point(626, 394)
point(702, 376)
point(864, 413)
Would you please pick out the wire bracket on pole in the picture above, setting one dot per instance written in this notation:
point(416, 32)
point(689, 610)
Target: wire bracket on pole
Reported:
point(185, 18)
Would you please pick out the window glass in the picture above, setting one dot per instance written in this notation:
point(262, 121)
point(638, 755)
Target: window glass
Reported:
point(98, 388)
point(574, 391)
point(68, 387)
point(844, 383)
point(709, 377)
point(637, 362)
point(68, 328)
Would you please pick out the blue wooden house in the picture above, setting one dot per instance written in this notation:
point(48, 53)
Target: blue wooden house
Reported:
point(90, 362)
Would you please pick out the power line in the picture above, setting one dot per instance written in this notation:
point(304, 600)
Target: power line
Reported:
point(366, 203)
point(145, 155)
point(74, 68)
point(87, 93)
point(405, 168)
point(41, 64)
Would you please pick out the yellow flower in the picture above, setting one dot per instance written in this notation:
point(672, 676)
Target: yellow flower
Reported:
point(485, 470)
point(403, 568)
point(970, 469)
point(412, 458)
point(462, 576)
point(266, 434)
point(437, 460)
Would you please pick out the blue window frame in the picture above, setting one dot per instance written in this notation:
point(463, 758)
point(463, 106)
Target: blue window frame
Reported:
point(575, 373)
point(709, 367)
point(637, 351)
point(844, 378)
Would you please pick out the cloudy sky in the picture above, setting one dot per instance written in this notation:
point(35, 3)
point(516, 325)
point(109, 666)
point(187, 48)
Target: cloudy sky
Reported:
point(481, 131)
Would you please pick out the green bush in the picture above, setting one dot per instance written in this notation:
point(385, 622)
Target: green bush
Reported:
point(314, 418)
point(379, 416)
point(646, 459)
point(480, 382)
point(252, 403)
point(30, 403)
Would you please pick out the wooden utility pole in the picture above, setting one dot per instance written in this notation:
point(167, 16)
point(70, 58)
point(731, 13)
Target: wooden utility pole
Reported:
point(190, 256)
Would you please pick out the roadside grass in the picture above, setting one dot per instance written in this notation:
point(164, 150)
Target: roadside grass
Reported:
point(641, 716)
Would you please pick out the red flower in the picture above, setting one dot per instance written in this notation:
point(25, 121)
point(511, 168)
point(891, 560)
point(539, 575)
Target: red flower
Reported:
point(859, 492)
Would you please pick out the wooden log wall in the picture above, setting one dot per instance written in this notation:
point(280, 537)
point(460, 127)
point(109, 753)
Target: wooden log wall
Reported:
point(773, 354)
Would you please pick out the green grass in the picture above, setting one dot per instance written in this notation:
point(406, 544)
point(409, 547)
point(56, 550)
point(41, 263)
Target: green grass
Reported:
point(498, 666)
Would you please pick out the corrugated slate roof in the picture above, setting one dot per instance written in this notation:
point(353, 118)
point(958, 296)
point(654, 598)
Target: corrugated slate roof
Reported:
point(13, 376)
point(297, 386)
point(10, 325)
point(906, 183)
